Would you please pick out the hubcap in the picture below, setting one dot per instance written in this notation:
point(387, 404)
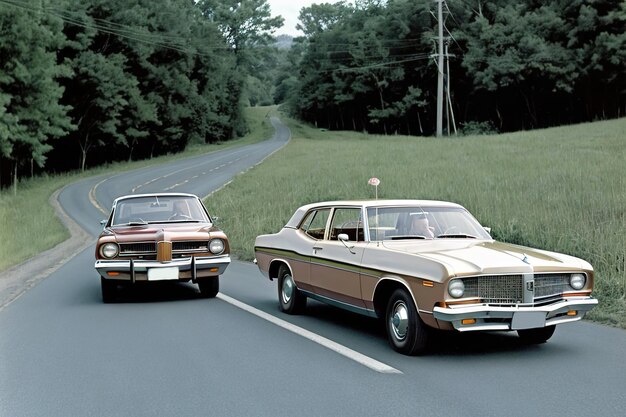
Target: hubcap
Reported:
point(287, 290)
point(399, 320)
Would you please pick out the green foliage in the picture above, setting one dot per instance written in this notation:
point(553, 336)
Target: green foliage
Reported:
point(518, 64)
point(89, 82)
point(477, 128)
point(31, 115)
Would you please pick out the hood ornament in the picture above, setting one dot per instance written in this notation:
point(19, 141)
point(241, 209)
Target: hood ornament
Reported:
point(525, 259)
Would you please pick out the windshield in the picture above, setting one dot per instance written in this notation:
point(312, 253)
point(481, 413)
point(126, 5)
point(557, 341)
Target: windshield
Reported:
point(395, 223)
point(158, 209)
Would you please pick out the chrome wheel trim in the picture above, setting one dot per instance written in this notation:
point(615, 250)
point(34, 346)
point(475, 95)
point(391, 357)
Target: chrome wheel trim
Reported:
point(287, 289)
point(399, 320)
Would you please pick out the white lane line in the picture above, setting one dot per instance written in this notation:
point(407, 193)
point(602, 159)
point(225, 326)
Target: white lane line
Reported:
point(327, 343)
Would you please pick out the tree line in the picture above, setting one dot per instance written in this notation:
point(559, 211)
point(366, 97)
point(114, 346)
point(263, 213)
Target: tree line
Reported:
point(514, 64)
point(85, 82)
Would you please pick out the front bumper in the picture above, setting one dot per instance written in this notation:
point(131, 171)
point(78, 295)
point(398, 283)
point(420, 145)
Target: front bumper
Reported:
point(184, 269)
point(489, 317)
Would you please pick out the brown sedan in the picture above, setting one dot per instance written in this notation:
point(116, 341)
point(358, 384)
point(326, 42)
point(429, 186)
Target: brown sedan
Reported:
point(160, 237)
point(422, 265)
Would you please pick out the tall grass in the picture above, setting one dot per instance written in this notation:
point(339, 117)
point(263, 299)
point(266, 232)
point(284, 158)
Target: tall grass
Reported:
point(560, 189)
point(28, 225)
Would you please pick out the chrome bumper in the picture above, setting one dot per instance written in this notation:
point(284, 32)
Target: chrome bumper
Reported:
point(489, 317)
point(137, 270)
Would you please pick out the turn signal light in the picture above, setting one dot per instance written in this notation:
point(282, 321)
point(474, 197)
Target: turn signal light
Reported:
point(214, 269)
point(113, 273)
point(572, 313)
point(427, 284)
point(468, 321)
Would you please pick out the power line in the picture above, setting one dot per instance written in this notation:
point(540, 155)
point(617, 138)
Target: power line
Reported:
point(123, 31)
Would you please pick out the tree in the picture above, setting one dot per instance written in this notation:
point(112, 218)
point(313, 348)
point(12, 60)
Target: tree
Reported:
point(247, 26)
point(30, 113)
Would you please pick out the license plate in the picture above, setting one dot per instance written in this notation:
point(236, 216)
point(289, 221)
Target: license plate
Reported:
point(162, 274)
point(528, 320)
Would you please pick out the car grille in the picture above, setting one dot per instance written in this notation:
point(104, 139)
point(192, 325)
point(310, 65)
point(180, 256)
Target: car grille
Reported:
point(149, 249)
point(509, 289)
point(496, 289)
point(191, 246)
point(137, 248)
point(550, 285)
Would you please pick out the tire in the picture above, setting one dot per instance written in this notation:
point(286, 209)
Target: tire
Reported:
point(536, 336)
point(406, 332)
point(290, 299)
point(209, 287)
point(109, 290)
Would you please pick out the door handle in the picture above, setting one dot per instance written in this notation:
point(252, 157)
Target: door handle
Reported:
point(317, 248)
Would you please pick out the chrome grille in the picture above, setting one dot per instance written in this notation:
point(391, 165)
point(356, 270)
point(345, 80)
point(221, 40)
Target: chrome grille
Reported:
point(496, 289)
point(137, 248)
point(548, 285)
point(191, 246)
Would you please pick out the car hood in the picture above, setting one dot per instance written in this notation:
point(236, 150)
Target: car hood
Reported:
point(471, 257)
point(157, 232)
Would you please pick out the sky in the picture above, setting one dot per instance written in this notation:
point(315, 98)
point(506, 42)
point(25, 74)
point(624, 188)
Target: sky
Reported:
point(289, 10)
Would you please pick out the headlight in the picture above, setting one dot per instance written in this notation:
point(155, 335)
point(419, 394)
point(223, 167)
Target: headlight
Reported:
point(577, 281)
point(109, 250)
point(216, 246)
point(456, 288)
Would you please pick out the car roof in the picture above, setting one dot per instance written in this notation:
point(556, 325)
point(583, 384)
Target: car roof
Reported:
point(301, 211)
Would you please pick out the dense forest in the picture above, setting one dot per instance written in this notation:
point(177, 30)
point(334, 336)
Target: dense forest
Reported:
point(369, 65)
point(86, 82)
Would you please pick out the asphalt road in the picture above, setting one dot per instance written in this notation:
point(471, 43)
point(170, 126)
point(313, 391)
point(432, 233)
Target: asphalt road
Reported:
point(163, 351)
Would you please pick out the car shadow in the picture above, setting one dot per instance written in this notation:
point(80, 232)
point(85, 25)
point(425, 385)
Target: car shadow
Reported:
point(151, 292)
point(442, 343)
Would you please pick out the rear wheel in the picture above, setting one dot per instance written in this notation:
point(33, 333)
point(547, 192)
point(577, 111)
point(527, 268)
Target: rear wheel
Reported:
point(536, 336)
point(209, 287)
point(109, 290)
point(406, 332)
point(291, 300)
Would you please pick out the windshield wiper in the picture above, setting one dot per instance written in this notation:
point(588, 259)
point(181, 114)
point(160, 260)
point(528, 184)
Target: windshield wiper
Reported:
point(407, 237)
point(182, 221)
point(456, 235)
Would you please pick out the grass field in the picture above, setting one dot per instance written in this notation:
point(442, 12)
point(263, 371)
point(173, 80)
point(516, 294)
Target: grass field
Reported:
point(561, 189)
point(28, 225)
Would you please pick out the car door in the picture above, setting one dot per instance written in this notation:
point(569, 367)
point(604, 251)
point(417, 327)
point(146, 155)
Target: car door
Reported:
point(335, 265)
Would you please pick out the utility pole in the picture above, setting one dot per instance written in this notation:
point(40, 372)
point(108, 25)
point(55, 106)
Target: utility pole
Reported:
point(440, 69)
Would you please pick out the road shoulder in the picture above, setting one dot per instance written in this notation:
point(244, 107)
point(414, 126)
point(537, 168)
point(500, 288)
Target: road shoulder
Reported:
point(18, 279)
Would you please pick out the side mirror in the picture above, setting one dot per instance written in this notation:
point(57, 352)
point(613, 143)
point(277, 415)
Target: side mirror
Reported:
point(487, 229)
point(215, 219)
point(103, 222)
point(343, 238)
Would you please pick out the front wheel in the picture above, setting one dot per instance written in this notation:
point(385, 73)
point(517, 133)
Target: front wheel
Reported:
point(536, 336)
point(406, 332)
point(209, 287)
point(291, 300)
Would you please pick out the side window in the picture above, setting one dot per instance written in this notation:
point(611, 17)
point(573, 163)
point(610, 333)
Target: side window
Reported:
point(314, 224)
point(347, 221)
